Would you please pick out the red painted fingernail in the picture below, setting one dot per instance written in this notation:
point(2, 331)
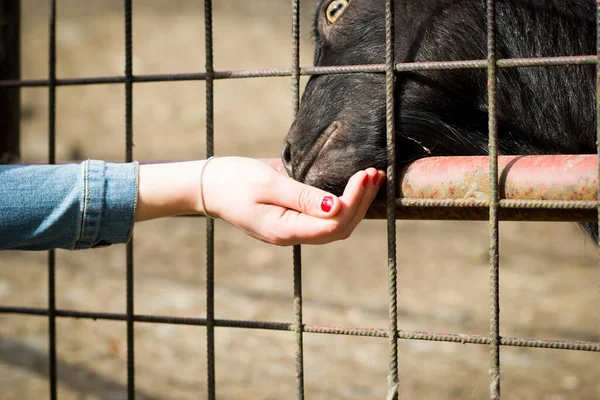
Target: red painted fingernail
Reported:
point(375, 179)
point(382, 181)
point(327, 203)
point(365, 181)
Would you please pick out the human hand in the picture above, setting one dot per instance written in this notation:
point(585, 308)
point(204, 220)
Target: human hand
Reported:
point(276, 209)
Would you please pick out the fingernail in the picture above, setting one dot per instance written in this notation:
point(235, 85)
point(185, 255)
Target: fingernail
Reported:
point(365, 181)
point(382, 181)
point(327, 203)
point(375, 179)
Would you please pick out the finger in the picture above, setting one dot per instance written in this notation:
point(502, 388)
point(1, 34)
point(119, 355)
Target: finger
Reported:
point(298, 227)
point(348, 216)
point(368, 196)
point(358, 195)
point(355, 188)
point(305, 199)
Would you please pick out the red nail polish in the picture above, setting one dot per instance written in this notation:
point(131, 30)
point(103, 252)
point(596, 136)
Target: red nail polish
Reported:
point(375, 179)
point(365, 181)
point(327, 203)
point(382, 181)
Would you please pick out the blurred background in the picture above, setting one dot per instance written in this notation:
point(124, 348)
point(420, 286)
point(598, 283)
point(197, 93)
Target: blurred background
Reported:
point(548, 285)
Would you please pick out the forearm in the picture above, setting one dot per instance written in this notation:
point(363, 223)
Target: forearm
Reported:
point(168, 189)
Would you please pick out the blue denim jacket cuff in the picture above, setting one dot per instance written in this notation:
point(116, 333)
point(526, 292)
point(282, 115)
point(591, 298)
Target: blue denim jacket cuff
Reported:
point(109, 206)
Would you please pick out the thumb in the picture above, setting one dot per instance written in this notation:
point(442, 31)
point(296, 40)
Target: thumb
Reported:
point(306, 199)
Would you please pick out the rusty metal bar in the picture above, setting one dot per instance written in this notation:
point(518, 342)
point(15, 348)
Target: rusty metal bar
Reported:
point(129, 272)
point(297, 250)
point(393, 378)
point(308, 71)
point(10, 69)
point(461, 338)
point(210, 223)
point(477, 210)
point(493, 205)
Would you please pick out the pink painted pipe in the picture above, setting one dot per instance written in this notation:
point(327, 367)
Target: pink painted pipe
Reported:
point(556, 177)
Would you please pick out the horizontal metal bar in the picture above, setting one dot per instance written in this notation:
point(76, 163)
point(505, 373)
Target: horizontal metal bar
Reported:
point(478, 210)
point(323, 329)
point(546, 61)
point(504, 341)
point(502, 63)
point(286, 72)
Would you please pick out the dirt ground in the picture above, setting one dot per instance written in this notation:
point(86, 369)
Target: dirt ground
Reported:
point(549, 279)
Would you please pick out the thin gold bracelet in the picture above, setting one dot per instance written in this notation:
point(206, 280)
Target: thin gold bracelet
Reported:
point(202, 188)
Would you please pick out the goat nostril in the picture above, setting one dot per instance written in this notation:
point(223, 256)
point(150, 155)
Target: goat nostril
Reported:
point(286, 157)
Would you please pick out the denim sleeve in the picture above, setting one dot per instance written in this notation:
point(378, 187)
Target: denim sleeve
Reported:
point(73, 206)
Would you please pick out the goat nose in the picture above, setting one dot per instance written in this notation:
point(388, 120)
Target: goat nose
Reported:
point(286, 157)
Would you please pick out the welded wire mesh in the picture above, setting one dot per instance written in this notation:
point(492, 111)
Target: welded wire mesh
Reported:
point(392, 333)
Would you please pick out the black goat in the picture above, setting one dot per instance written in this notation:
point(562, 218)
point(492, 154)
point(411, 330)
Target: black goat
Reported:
point(541, 110)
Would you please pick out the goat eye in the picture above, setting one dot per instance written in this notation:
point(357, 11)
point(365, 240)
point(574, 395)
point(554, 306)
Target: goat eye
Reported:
point(335, 10)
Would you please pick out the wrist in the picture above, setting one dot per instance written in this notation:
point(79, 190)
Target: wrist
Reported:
point(220, 185)
point(201, 206)
point(168, 189)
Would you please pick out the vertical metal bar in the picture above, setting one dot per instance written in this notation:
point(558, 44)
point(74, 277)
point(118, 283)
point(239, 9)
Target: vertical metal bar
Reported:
point(393, 379)
point(10, 68)
point(295, 57)
point(210, 224)
point(297, 250)
point(494, 234)
point(129, 158)
point(52, 160)
point(298, 327)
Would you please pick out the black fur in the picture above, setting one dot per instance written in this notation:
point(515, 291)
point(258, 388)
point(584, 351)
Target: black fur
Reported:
point(540, 110)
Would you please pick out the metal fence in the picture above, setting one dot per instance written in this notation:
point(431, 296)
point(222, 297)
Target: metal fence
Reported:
point(392, 333)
